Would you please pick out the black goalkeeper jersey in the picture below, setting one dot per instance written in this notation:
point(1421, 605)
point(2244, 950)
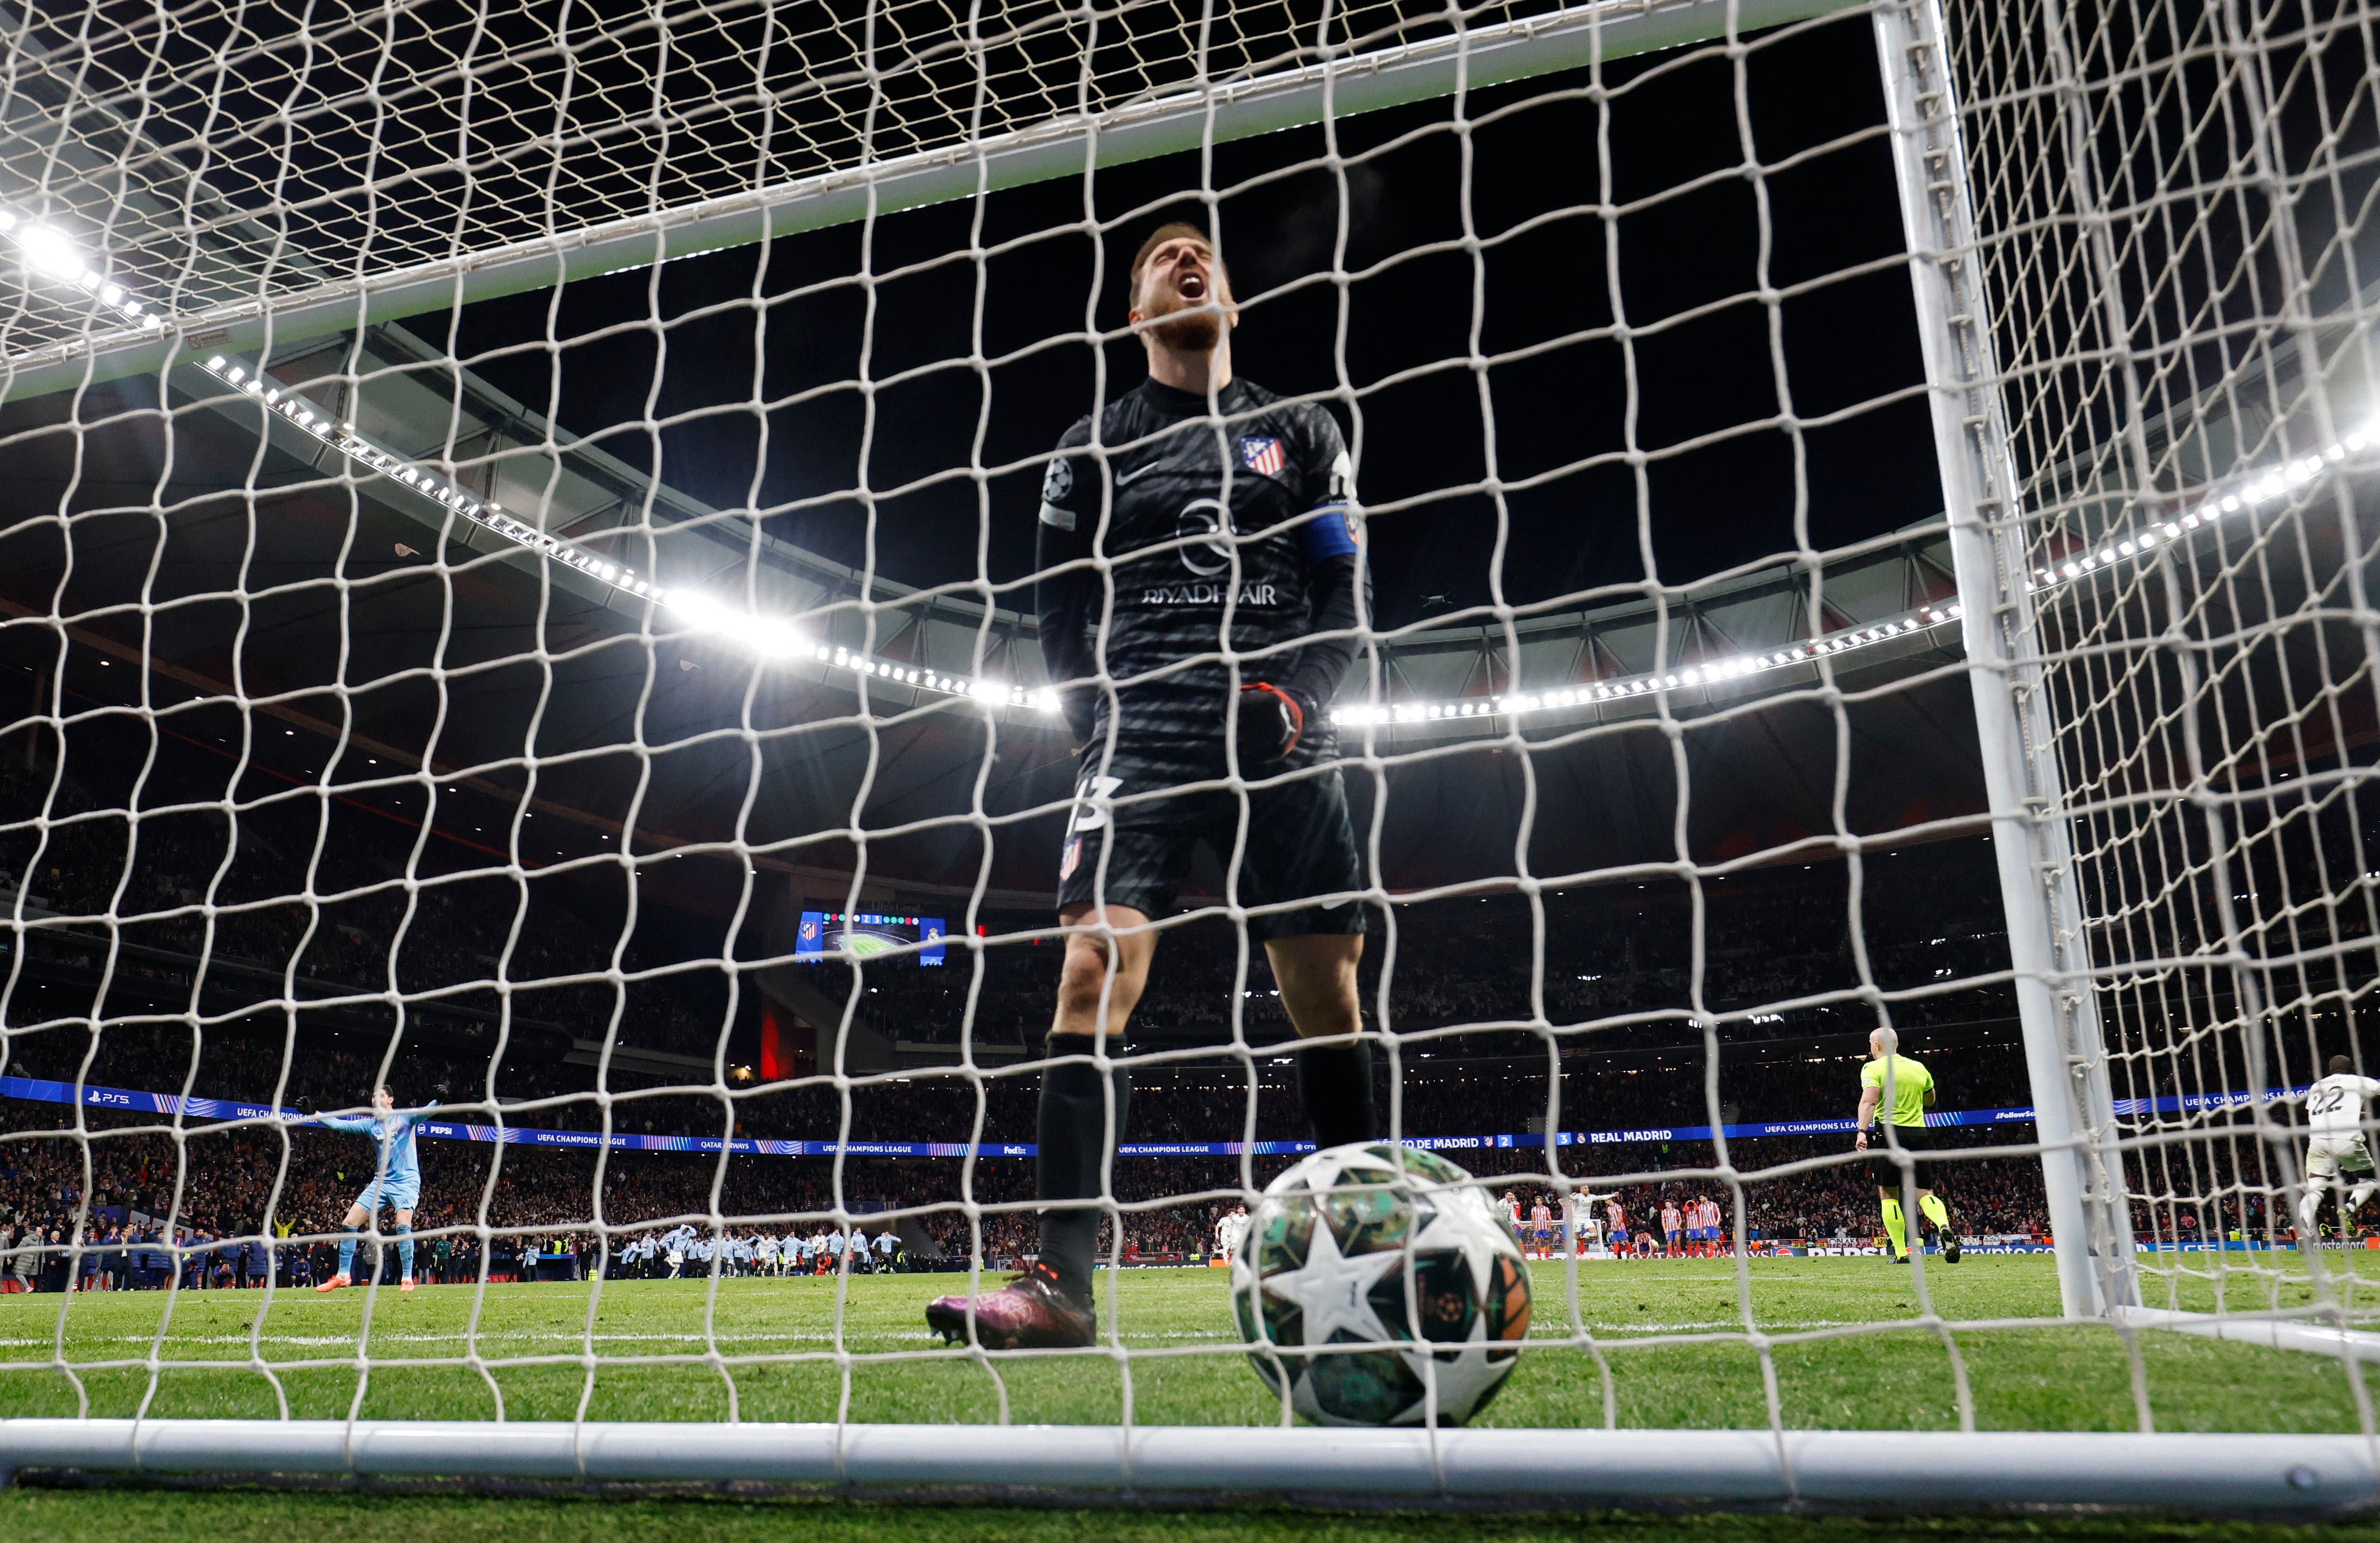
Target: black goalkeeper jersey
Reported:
point(1192, 514)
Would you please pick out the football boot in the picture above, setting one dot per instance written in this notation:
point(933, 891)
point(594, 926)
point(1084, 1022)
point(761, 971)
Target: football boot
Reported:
point(1032, 1312)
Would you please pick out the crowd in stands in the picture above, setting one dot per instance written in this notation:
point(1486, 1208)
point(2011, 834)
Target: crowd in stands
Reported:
point(1470, 976)
point(270, 1181)
point(444, 939)
point(447, 930)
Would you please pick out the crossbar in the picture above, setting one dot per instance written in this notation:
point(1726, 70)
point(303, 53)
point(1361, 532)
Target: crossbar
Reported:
point(1569, 39)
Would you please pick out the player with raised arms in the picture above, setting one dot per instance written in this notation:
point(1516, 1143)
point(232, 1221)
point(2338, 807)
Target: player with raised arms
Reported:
point(2335, 1146)
point(1228, 518)
point(1910, 1087)
point(396, 1183)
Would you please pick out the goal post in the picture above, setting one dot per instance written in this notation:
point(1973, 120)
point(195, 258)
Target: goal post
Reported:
point(2146, 390)
point(1991, 536)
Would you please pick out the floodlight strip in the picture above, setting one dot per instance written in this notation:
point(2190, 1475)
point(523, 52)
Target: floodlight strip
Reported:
point(770, 637)
point(1710, 672)
point(2283, 480)
point(2145, 542)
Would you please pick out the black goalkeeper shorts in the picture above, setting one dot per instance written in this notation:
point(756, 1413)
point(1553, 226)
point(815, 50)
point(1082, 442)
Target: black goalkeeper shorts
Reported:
point(1914, 1139)
point(1300, 846)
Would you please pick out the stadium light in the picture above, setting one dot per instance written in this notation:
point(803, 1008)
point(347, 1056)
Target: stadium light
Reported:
point(771, 637)
point(1703, 672)
point(2213, 504)
point(2130, 547)
point(50, 253)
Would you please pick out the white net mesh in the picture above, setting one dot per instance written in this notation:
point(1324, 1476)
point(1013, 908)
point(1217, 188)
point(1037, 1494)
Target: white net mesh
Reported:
point(613, 715)
point(2172, 233)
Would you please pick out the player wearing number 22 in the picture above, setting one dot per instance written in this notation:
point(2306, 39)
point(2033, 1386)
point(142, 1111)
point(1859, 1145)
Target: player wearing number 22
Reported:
point(2334, 1147)
point(1228, 521)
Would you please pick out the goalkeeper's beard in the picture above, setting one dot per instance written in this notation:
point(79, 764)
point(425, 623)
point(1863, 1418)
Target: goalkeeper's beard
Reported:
point(1191, 332)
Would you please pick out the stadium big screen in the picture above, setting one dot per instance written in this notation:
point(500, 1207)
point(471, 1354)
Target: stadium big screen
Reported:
point(865, 933)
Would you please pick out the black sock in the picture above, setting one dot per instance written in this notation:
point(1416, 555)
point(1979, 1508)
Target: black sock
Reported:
point(1334, 1083)
point(1072, 1130)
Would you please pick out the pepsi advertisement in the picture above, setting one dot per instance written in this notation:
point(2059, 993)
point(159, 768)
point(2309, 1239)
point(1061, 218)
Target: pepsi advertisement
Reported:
point(864, 934)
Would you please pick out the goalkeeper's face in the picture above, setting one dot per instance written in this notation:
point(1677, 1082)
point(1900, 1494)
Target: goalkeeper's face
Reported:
point(1181, 285)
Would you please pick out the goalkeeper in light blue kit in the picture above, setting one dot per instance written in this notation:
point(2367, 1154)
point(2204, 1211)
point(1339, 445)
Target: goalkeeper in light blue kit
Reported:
point(396, 1183)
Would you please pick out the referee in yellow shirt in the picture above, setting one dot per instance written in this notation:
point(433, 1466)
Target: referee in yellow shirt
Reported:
point(1910, 1087)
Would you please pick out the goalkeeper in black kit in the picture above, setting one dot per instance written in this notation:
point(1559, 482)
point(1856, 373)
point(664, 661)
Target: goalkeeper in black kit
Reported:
point(1240, 512)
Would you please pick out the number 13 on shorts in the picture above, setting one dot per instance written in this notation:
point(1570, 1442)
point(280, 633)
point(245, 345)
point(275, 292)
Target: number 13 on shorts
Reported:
point(1088, 816)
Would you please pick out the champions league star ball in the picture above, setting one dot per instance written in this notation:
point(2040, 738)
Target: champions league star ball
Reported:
point(1392, 1254)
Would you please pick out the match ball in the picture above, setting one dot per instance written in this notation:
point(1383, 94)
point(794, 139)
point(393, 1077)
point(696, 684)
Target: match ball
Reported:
point(1376, 1286)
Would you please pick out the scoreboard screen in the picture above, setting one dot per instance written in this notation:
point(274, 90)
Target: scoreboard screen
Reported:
point(863, 933)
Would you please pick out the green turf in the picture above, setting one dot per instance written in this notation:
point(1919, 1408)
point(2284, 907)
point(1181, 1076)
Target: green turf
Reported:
point(1663, 1342)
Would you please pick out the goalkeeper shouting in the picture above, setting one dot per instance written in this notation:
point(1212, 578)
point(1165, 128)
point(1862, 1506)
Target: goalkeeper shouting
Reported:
point(1230, 526)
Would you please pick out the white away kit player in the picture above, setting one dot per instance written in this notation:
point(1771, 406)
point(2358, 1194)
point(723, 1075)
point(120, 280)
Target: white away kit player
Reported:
point(2334, 1146)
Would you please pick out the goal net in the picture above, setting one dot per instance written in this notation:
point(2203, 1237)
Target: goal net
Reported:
point(531, 592)
point(2179, 323)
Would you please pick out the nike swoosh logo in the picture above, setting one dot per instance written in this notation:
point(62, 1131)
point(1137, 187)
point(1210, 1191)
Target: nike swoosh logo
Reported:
point(1124, 477)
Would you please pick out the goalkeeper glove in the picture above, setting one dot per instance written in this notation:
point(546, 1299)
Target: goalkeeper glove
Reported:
point(1273, 720)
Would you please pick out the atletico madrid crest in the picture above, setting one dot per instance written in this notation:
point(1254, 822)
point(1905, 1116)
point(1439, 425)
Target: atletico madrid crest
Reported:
point(1262, 457)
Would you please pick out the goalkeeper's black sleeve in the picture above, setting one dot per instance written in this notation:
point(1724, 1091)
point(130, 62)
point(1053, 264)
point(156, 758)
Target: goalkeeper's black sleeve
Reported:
point(1066, 605)
point(1338, 583)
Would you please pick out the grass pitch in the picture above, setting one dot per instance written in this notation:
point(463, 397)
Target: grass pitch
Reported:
point(1650, 1343)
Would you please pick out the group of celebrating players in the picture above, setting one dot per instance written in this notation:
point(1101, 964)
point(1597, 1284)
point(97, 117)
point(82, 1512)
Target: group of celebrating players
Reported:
point(1201, 594)
point(686, 1249)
